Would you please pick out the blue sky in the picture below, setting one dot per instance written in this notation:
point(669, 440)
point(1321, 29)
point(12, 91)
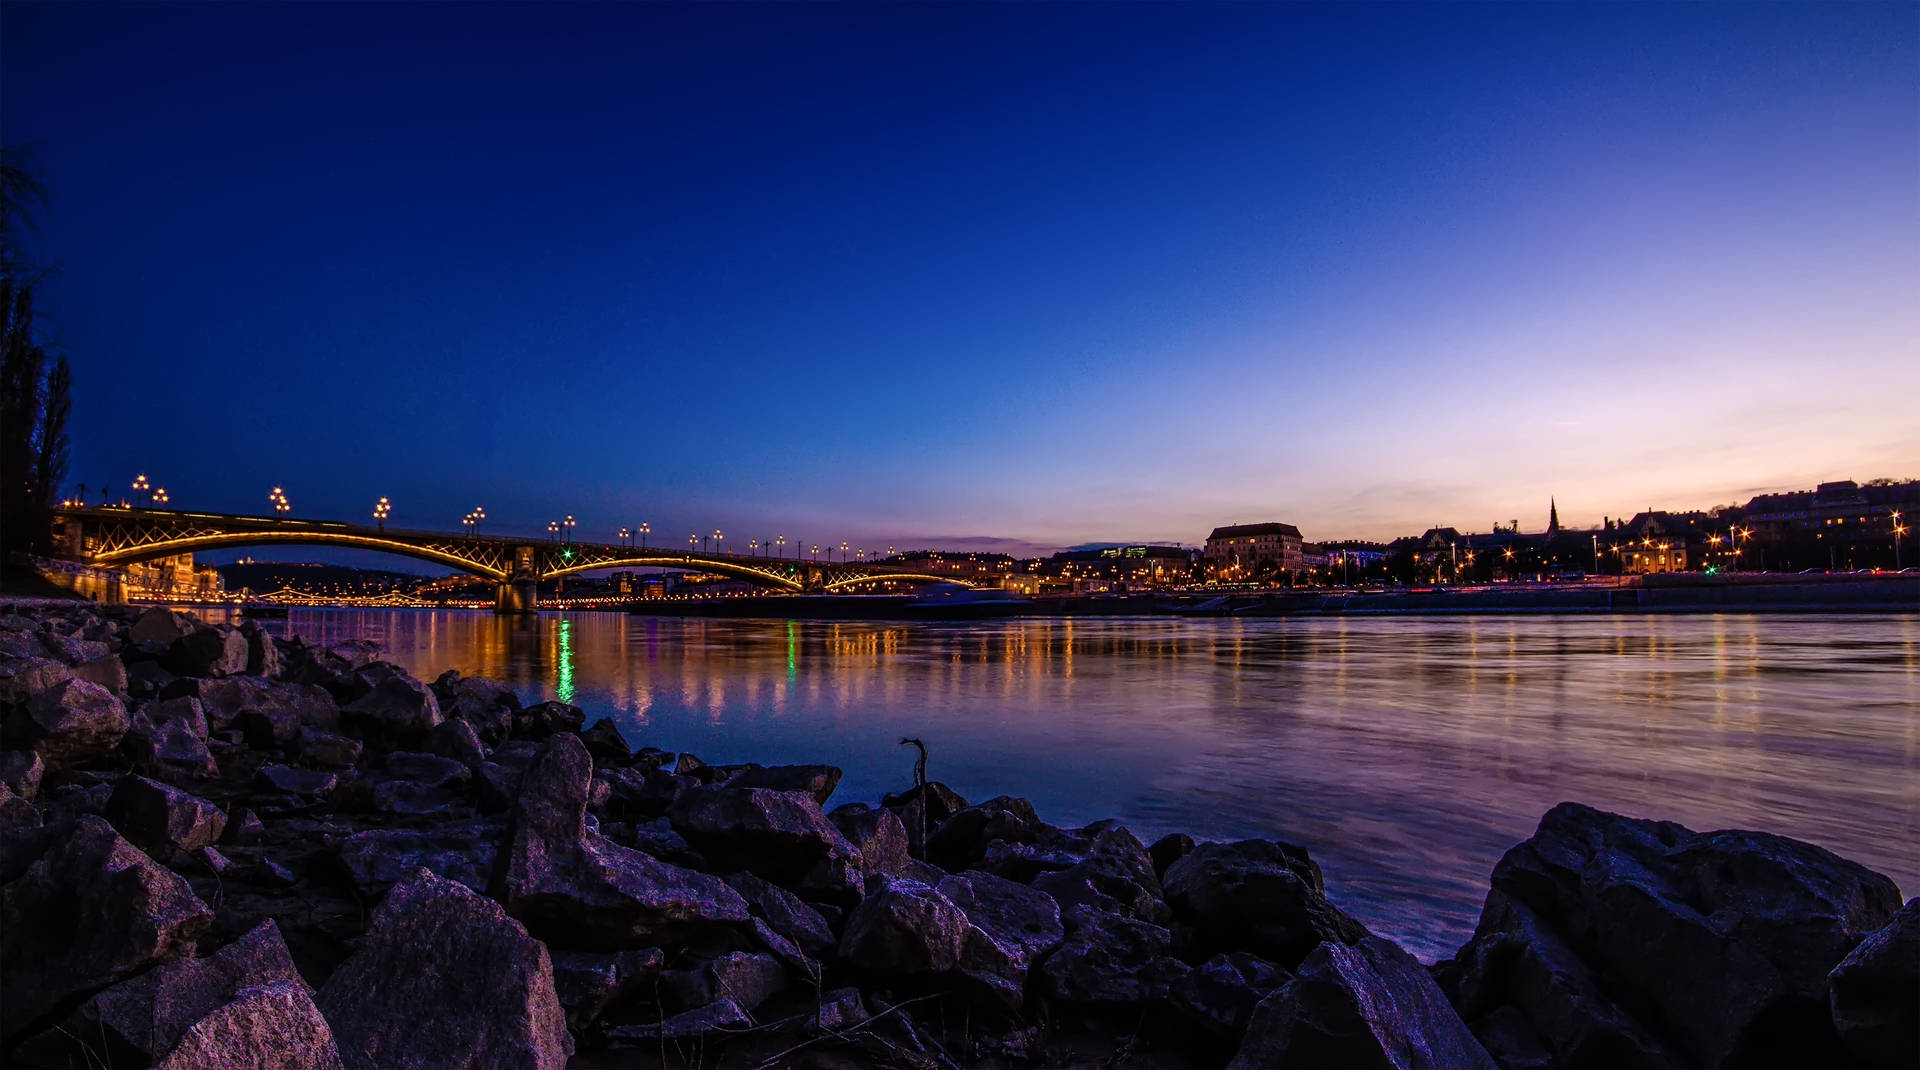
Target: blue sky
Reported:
point(917, 274)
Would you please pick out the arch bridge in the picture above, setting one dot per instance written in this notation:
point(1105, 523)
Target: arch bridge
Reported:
point(110, 536)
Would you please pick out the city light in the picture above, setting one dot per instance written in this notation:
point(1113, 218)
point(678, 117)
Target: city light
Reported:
point(279, 499)
point(380, 510)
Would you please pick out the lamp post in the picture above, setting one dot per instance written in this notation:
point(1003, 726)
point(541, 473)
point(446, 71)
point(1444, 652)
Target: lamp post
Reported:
point(467, 522)
point(479, 514)
point(753, 547)
point(843, 552)
point(692, 541)
point(380, 510)
point(1899, 529)
point(159, 496)
point(780, 541)
point(140, 484)
point(625, 537)
point(645, 530)
point(280, 502)
point(816, 552)
point(567, 530)
point(716, 540)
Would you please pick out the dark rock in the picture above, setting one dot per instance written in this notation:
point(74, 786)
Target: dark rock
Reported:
point(606, 744)
point(724, 1014)
point(1219, 995)
point(161, 626)
point(1258, 896)
point(1110, 959)
point(93, 910)
point(904, 929)
point(107, 670)
point(169, 739)
point(576, 889)
point(161, 819)
point(922, 809)
point(1875, 991)
point(1369, 1004)
point(785, 913)
point(15, 812)
point(466, 852)
point(747, 979)
point(1719, 943)
point(485, 704)
point(961, 841)
point(21, 770)
point(877, 836)
point(142, 1018)
point(263, 656)
point(1111, 870)
point(1169, 849)
point(641, 794)
point(816, 780)
point(146, 679)
point(327, 750)
point(838, 1011)
point(496, 786)
point(541, 721)
point(457, 739)
point(209, 652)
point(275, 1025)
point(291, 781)
point(589, 982)
point(444, 978)
point(23, 678)
point(397, 712)
point(243, 827)
point(657, 839)
point(74, 722)
point(1009, 928)
point(284, 705)
point(779, 835)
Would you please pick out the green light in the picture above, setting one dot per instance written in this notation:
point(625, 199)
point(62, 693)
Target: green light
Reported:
point(567, 554)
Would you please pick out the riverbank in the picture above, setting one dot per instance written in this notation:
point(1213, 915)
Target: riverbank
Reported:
point(275, 800)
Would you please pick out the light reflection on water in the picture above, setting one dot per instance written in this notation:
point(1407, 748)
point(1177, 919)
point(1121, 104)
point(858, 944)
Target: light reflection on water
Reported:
point(1406, 753)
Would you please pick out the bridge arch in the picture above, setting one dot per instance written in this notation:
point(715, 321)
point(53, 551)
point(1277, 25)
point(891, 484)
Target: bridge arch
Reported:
point(683, 563)
point(244, 539)
point(882, 577)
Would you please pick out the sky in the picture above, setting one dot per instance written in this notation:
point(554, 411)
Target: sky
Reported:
point(978, 276)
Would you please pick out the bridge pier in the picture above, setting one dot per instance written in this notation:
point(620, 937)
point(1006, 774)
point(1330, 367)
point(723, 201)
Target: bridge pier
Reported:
point(517, 596)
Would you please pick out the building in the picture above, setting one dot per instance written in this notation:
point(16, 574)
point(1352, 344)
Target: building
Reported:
point(1253, 551)
point(174, 578)
point(1141, 566)
point(1655, 542)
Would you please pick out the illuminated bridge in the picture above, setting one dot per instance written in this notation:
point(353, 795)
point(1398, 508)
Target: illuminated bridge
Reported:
point(111, 536)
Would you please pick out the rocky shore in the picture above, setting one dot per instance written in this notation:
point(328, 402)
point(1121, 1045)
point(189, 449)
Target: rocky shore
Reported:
point(220, 848)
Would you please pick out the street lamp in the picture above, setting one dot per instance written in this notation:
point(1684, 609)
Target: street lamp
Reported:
point(626, 537)
point(780, 541)
point(692, 541)
point(279, 500)
point(816, 551)
point(140, 483)
point(753, 547)
point(1899, 529)
point(553, 529)
point(479, 514)
point(645, 529)
point(380, 510)
point(568, 525)
point(159, 496)
point(716, 540)
point(843, 552)
point(468, 522)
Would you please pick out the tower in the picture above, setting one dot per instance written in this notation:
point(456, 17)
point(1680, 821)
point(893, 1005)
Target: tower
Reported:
point(1553, 518)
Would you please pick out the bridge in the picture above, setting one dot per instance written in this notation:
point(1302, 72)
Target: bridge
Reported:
point(110, 535)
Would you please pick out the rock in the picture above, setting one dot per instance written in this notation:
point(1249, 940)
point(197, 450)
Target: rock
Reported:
point(779, 835)
point(816, 780)
point(638, 794)
point(325, 749)
point(606, 744)
point(284, 705)
point(23, 678)
point(1258, 896)
point(161, 626)
point(576, 889)
point(922, 809)
point(485, 704)
point(21, 770)
point(268, 1027)
point(878, 838)
point(291, 781)
point(466, 852)
point(142, 1018)
point(243, 827)
point(542, 721)
point(444, 978)
point(785, 913)
point(723, 1014)
point(163, 820)
point(456, 739)
point(15, 812)
point(398, 712)
point(588, 982)
point(839, 1010)
point(405, 782)
point(209, 652)
point(146, 679)
point(1369, 1004)
point(92, 911)
point(1169, 849)
point(1110, 959)
point(1108, 869)
point(1875, 990)
point(263, 656)
point(1009, 928)
point(961, 840)
point(904, 929)
point(747, 979)
point(107, 670)
point(1720, 942)
point(657, 839)
point(1219, 995)
point(169, 739)
point(74, 722)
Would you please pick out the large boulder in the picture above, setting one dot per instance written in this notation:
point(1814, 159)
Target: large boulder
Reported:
point(284, 706)
point(487, 705)
point(74, 722)
point(398, 711)
point(1258, 896)
point(1103, 866)
point(142, 1018)
point(21, 678)
point(21, 771)
point(816, 780)
point(1369, 1004)
point(209, 652)
point(576, 889)
point(588, 982)
point(93, 910)
point(161, 819)
point(1009, 928)
point(263, 655)
point(961, 841)
point(1612, 937)
point(466, 852)
point(265, 1027)
point(1110, 960)
point(159, 625)
point(904, 929)
point(1217, 997)
point(785, 913)
point(780, 835)
point(878, 837)
point(1875, 992)
point(444, 978)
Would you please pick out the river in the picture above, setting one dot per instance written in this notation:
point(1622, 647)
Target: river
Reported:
point(1406, 753)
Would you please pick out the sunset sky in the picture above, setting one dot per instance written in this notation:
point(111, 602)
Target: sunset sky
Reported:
point(931, 274)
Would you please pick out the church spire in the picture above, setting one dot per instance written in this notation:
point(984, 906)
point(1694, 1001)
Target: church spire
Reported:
point(1553, 518)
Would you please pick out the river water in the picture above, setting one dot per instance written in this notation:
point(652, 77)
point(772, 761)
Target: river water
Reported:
point(1406, 753)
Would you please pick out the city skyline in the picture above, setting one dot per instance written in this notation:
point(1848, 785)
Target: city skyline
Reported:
point(986, 278)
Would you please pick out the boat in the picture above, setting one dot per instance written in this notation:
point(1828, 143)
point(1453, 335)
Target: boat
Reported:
point(954, 601)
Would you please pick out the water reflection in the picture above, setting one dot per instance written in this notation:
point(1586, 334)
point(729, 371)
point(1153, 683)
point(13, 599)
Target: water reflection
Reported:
point(1407, 754)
